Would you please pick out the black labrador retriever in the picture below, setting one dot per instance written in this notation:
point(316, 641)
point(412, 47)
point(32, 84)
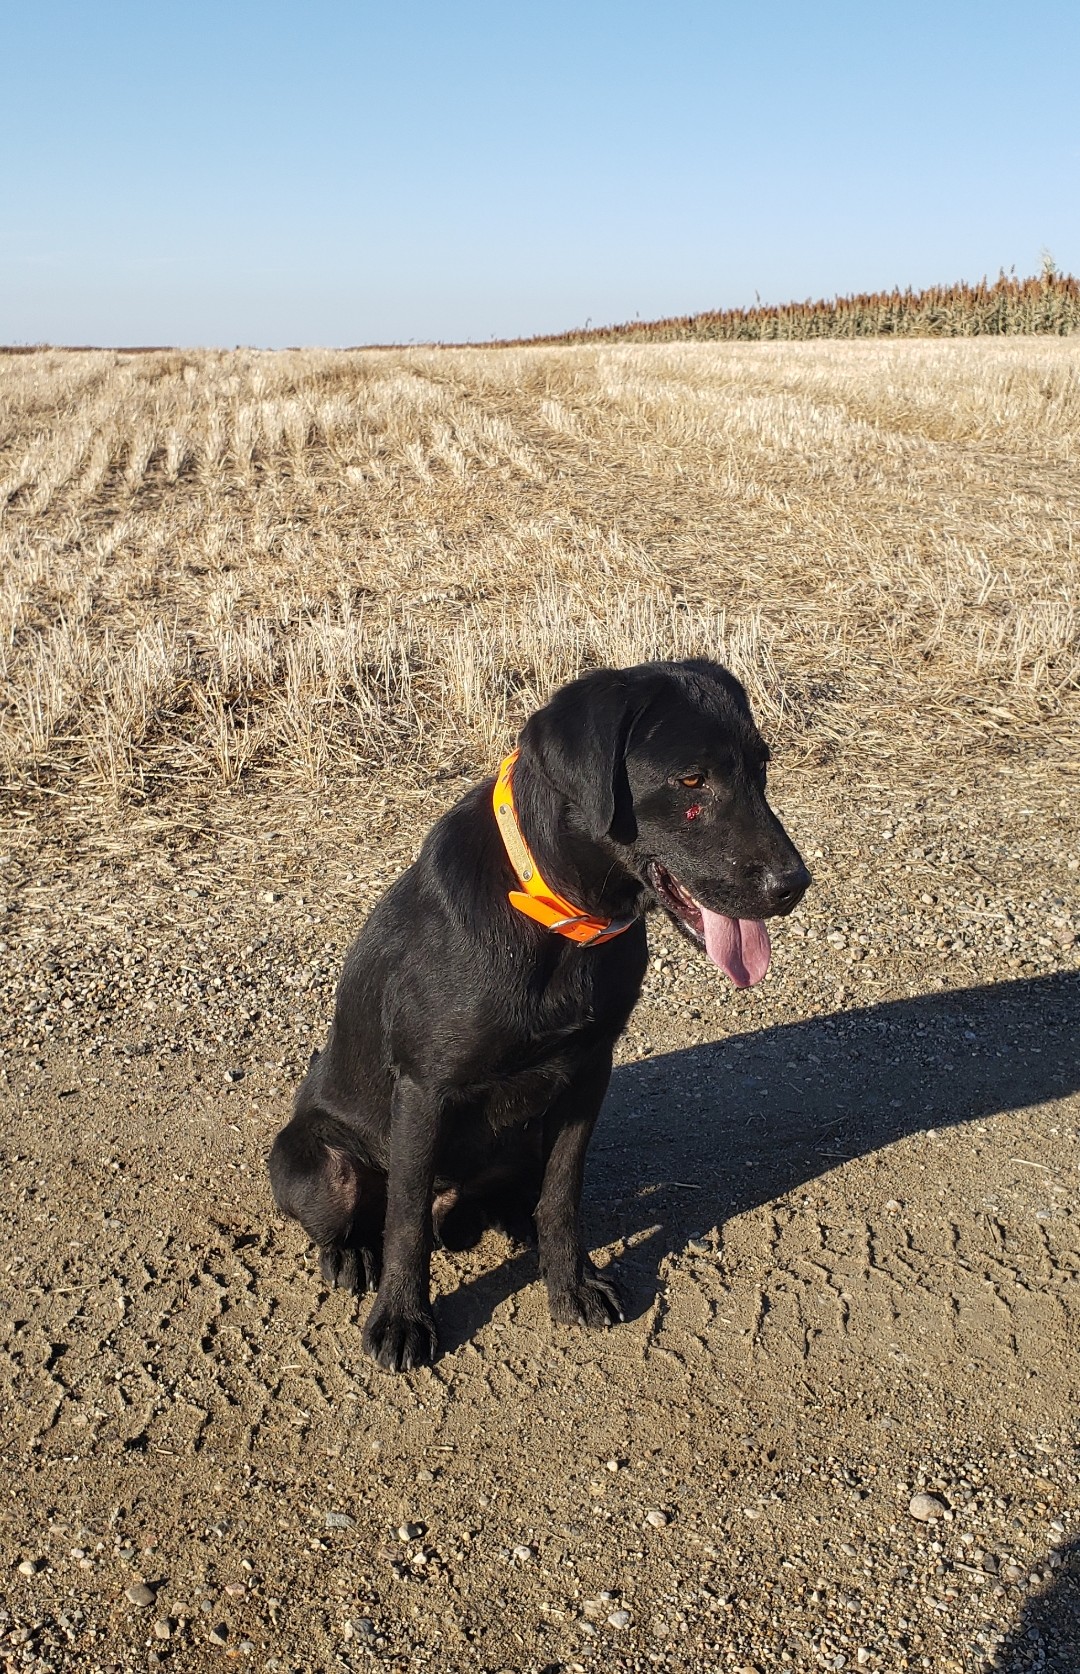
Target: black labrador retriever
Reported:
point(478, 1008)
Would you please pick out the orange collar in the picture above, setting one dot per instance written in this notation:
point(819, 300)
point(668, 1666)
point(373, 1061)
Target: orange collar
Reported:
point(536, 899)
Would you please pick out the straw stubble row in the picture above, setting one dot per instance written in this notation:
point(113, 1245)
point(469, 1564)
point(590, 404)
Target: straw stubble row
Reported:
point(216, 567)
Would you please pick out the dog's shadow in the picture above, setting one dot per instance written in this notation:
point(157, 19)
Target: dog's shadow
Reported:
point(690, 1139)
point(1047, 1635)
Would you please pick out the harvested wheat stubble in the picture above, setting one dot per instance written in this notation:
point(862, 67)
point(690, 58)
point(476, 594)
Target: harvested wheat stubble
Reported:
point(219, 567)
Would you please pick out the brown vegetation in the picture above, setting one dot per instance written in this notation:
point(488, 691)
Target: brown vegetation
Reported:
point(219, 568)
point(1008, 307)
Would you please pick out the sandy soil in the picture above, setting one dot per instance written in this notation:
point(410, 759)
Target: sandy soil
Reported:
point(843, 1206)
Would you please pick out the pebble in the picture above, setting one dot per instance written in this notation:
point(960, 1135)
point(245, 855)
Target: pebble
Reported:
point(410, 1531)
point(524, 1554)
point(619, 1619)
point(658, 1519)
point(342, 1520)
point(162, 1628)
point(219, 1635)
point(28, 1567)
point(926, 1508)
point(139, 1594)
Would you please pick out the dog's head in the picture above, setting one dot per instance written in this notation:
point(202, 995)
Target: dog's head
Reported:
point(664, 768)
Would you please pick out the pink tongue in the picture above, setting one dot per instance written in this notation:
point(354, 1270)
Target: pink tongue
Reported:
point(740, 946)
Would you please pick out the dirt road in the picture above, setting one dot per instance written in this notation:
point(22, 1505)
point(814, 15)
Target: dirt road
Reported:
point(843, 1205)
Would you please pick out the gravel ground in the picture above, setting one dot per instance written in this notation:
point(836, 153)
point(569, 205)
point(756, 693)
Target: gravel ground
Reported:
point(838, 1429)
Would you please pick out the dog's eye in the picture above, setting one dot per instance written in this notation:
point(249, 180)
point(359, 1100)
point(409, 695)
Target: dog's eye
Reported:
point(693, 781)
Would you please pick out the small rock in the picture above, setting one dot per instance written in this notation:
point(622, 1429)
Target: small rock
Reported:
point(28, 1567)
point(139, 1594)
point(524, 1554)
point(410, 1531)
point(658, 1519)
point(162, 1628)
point(619, 1619)
point(219, 1635)
point(339, 1520)
point(269, 896)
point(927, 1508)
point(234, 1075)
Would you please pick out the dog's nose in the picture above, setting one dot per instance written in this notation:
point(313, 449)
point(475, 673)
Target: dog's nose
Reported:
point(786, 888)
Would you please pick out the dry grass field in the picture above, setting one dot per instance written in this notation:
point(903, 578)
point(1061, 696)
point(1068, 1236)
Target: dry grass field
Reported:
point(297, 567)
point(262, 617)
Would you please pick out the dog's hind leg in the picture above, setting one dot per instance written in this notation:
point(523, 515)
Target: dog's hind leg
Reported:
point(321, 1178)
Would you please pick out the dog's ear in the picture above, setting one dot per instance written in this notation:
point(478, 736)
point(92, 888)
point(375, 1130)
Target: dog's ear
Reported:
point(578, 742)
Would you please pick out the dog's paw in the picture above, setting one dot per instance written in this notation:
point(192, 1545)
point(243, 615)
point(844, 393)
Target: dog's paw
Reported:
point(398, 1341)
point(594, 1301)
point(350, 1269)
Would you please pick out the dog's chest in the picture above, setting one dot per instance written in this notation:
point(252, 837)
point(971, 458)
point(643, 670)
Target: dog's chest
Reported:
point(557, 1030)
point(585, 992)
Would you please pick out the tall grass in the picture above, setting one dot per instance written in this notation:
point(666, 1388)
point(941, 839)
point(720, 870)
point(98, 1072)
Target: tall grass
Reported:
point(1008, 307)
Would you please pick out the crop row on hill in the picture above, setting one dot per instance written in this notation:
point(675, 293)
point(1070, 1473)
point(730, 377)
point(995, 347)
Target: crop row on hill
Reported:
point(1048, 305)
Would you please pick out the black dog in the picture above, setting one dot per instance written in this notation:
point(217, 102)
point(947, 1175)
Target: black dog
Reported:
point(478, 1008)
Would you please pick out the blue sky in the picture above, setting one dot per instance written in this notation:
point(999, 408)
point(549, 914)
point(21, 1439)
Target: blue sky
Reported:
point(343, 173)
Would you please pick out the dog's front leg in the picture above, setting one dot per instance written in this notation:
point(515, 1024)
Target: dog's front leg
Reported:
point(577, 1293)
point(400, 1331)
